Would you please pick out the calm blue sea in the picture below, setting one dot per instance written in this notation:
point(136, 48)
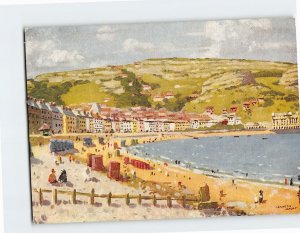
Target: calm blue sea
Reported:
point(263, 157)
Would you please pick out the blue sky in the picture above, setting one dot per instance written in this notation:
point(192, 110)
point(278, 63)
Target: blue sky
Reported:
point(58, 48)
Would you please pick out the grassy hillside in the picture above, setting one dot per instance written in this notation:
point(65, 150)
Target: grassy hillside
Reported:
point(217, 82)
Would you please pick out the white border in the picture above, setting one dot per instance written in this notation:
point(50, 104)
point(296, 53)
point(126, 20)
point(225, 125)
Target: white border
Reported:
point(13, 129)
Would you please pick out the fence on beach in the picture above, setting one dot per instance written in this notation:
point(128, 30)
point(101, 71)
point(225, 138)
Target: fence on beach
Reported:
point(183, 200)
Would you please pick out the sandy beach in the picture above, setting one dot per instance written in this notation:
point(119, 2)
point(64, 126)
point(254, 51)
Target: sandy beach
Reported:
point(161, 180)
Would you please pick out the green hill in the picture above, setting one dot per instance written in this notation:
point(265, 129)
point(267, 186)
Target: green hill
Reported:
point(195, 83)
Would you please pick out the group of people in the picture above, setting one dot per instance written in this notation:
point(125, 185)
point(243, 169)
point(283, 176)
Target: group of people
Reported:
point(62, 177)
point(291, 181)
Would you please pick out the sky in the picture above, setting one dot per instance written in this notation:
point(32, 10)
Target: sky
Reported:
point(60, 48)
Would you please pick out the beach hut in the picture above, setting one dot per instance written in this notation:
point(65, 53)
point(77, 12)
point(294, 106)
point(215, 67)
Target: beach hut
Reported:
point(140, 164)
point(123, 143)
point(117, 153)
point(87, 141)
point(114, 170)
point(89, 159)
point(133, 142)
point(97, 163)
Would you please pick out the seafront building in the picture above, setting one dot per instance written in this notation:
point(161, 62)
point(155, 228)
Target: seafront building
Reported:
point(285, 120)
point(98, 118)
point(56, 118)
point(34, 115)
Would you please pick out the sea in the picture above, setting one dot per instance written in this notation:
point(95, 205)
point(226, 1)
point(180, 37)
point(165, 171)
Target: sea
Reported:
point(272, 157)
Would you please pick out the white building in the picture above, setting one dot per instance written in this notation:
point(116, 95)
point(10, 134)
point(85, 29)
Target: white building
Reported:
point(98, 124)
point(233, 119)
point(125, 126)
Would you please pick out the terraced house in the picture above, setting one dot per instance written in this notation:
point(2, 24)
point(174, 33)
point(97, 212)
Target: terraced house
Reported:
point(56, 118)
point(69, 120)
point(46, 114)
point(34, 116)
point(80, 121)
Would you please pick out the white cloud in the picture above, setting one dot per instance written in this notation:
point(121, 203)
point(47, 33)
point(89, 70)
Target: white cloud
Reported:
point(105, 33)
point(270, 45)
point(32, 46)
point(58, 57)
point(133, 45)
point(220, 30)
point(237, 32)
point(47, 54)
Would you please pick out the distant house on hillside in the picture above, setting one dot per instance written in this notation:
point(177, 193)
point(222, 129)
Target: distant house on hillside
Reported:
point(210, 109)
point(158, 98)
point(246, 105)
point(193, 96)
point(233, 108)
point(146, 87)
point(169, 95)
point(254, 102)
point(105, 100)
point(261, 99)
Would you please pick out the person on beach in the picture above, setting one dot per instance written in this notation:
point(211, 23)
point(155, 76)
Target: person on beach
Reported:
point(261, 196)
point(70, 158)
point(291, 182)
point(255, 201)
point(63, 177)
point(59, 159)
point(52, 177)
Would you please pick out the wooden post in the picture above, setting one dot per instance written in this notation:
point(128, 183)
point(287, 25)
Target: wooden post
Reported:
point(74, 197)
point(54, 196)
point(183, 201)
point(92, 197)
point(40, 197)
point(127, 199)
point(140, 199)
point(169, 201)
point(154, 200)
point(109, 199)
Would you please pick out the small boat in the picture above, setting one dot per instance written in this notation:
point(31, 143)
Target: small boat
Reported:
point(195, 138)
point(220, 137)
point(264, 138)
point(248, 135)
point(236, 136)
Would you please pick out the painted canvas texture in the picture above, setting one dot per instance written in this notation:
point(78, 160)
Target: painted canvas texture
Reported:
point(165, 120)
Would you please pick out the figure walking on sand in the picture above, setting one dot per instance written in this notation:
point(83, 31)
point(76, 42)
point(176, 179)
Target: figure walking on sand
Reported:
point(255, 201)
point(52, 177)
point(261, 196)
point(59, 159)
